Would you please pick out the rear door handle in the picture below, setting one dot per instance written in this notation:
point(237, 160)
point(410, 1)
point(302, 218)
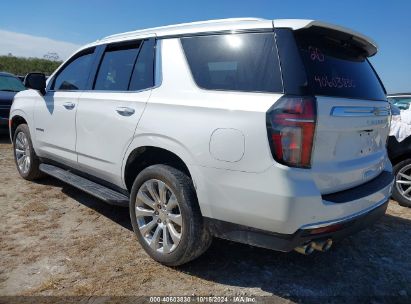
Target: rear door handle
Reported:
point(125, 111)
point(69, 105)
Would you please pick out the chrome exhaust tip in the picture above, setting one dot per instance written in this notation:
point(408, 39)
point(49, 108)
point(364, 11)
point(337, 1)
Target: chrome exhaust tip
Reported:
point(322, 246)
point(306, 249)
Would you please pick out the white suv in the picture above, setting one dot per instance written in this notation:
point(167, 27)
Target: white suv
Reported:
point(270, 133)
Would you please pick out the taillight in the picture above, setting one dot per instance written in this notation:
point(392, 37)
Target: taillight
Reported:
point(290, 127)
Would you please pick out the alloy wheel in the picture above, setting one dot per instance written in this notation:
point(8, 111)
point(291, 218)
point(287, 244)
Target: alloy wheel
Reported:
point(403, 182)
point(22, 151)
point(158, 216)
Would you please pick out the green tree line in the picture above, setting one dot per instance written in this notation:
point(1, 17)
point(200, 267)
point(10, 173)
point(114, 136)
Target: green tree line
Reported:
point(22, 66)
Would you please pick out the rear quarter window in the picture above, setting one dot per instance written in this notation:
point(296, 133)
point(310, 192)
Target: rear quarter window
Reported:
point(234, 62)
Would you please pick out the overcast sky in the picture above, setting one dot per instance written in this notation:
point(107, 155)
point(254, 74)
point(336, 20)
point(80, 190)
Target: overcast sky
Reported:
point(23, 45)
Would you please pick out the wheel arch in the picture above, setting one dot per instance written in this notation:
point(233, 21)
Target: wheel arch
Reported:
point(143, 156)
point(176, 155)
point(400, 158)
point(16, 120)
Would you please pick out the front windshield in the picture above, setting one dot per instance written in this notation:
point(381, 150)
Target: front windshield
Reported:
point(10, 83)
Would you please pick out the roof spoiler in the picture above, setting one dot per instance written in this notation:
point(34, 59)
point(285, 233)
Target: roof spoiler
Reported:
point(366, 43)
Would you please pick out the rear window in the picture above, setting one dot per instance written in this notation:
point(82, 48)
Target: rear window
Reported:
point(116, 67)
point(235, 62)
point(336, 65)
point(143, 74)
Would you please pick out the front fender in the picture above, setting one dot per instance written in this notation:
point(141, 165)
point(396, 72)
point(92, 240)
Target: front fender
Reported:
point(23, 106)
point(17, 112)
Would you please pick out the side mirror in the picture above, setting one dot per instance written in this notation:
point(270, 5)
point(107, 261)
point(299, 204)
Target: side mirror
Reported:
point(36, 81)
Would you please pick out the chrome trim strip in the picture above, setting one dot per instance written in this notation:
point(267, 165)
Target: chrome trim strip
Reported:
point(399, 95)
point(158, 74)
point(217, 32)
point(360, 111)
point(299, 120)
point(346, 218)
point(100, 91)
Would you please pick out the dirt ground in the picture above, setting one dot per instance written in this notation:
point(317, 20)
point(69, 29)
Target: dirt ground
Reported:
point(56, 240)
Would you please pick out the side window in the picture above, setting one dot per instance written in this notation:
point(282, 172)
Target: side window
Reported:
point(74, 76)
point(116, 67)
point(236, 62)
point(143, 74)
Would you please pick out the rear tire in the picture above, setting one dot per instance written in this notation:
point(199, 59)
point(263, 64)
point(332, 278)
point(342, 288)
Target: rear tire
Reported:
point(402, 173)
point(25, 157)
point(166, 217)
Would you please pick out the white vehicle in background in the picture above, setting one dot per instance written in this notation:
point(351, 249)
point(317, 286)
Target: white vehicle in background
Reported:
point(399, 147)
point(270, 133)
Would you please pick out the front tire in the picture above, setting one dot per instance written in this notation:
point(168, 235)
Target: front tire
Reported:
point(166, 217)
point(25, 157)
point(402, 188)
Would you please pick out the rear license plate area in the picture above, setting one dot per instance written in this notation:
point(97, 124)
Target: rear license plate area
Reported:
point(367, 142)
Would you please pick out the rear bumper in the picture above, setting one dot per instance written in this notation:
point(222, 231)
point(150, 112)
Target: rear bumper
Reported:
point(329, 216)
point(283, 200)
point(287, 242)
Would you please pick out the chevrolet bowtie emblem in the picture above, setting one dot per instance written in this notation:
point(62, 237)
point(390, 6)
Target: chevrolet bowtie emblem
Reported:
point(376, 111)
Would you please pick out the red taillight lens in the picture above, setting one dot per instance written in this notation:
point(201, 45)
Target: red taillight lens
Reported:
point(291, 126)
point(327, 229)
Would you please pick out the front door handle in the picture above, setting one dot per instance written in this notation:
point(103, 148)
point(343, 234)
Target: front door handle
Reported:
point(125, 111)
point(69, 105)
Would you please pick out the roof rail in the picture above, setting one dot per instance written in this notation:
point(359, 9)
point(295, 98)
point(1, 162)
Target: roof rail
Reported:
point(180, 25)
